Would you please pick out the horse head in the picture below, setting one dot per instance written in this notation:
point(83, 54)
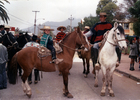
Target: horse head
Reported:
point(9, 40)
point(23, 39)
point(82, 40)
point(119, 36)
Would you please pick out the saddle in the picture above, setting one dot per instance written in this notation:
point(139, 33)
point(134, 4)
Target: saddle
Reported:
point(44, 52)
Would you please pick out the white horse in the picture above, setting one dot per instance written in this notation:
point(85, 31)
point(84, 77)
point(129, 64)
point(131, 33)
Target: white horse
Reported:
point(108, 57)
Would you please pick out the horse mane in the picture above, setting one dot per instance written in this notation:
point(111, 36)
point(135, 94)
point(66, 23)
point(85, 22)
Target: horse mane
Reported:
point(120, 28)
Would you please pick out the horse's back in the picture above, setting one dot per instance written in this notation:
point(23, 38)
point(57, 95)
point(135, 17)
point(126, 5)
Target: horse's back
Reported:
point(27, 54)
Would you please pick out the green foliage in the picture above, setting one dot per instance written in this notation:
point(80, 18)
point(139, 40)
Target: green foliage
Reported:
point(108, 6)
point(135, 12)
point(88, 21)
point(3, 13)
point(136, 28)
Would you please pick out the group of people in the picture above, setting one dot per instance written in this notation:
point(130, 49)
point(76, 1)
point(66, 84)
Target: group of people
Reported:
point(95, 36)
point(46, 40)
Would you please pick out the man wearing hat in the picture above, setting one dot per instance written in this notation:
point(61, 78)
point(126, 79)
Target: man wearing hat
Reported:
point(33, 43)
point(61, 34)
point(47, 41)
point(87, 28)
point(97, 32)
point(3, 60)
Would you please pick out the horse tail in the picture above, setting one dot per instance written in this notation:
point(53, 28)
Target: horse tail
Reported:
point(12, 71)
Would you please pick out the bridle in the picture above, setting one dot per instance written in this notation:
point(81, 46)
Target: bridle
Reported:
point(116, 39)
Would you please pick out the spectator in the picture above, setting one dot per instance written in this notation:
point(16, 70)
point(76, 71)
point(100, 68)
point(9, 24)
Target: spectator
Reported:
point(133, 53)
point(3, 60)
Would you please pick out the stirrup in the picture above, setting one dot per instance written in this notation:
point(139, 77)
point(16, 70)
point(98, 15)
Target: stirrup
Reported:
point(56, 61)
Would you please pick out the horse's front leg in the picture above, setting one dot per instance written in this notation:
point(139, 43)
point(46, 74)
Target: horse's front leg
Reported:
point(104, 81)
point(84, 71)
point(65, 81)
point(111, 93)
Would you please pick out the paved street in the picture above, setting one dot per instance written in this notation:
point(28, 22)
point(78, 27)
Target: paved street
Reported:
point(50, 87)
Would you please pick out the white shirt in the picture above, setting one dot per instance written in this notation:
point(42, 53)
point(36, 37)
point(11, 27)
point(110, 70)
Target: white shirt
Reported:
point(31, 44)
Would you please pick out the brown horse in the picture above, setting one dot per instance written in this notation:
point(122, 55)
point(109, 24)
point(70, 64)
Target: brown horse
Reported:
point(28, 59)
point(85, 56)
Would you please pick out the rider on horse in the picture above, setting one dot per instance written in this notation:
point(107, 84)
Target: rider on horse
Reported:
point(47, 41)
point(61, 34)
point(97, 32)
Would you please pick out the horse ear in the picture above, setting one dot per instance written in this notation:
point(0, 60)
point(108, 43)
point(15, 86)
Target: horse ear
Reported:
point(115, 25)
point(78, 30)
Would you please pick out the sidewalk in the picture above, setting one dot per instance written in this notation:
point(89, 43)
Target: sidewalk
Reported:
point(124, 68)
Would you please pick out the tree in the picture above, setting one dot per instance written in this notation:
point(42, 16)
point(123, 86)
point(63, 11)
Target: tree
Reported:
point(88, 21)
point(108, 6)
point(3, 13)
point(135, 13)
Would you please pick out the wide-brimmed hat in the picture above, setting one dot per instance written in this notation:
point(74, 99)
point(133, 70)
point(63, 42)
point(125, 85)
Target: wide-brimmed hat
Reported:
point(103, 14)
point(47, 28)
point(87, 27)
point(59, 28)
point(7, 27)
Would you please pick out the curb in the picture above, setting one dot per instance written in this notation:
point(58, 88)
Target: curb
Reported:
point(128, 75)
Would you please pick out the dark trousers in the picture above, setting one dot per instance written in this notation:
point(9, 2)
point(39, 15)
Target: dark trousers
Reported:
point(3, 79)
point(51, 48)
point(36, 73)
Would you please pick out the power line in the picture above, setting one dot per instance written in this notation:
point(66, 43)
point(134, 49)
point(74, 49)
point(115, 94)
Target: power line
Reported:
point(20, 19)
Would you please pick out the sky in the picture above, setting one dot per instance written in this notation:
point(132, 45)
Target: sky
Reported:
point(22, 16)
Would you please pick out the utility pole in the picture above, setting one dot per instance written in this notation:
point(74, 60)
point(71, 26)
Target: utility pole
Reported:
point(71, 19)
point(35, 21)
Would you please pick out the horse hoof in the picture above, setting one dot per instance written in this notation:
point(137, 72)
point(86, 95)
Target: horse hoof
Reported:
point(95, 85)
point(102, 94)
point(112, 94)
point(69, 95)
point(29, 95)
point(85, 76)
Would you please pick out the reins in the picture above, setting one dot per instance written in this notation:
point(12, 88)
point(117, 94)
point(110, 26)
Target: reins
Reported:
point(70, 47)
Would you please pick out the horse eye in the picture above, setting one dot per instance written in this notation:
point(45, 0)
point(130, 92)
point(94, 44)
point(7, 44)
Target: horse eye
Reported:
point(118, 33)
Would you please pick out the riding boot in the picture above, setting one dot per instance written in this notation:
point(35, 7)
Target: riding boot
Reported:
point(36, 73)
point(54, 59)
point(132, 67)
point(30, 78)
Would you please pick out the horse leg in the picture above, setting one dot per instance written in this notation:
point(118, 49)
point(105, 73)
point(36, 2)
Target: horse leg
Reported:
point(84, 71)
point(104, 81)
point(111, 93)
point(87, 61)
point(96, 69)
point(25, 85)
point(65, 81)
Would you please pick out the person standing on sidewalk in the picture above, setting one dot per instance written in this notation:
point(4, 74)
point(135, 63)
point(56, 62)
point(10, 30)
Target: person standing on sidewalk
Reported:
point(133, 53)
point(3, 60)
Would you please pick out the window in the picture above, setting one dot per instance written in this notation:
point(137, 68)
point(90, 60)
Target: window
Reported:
point(126, 25)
